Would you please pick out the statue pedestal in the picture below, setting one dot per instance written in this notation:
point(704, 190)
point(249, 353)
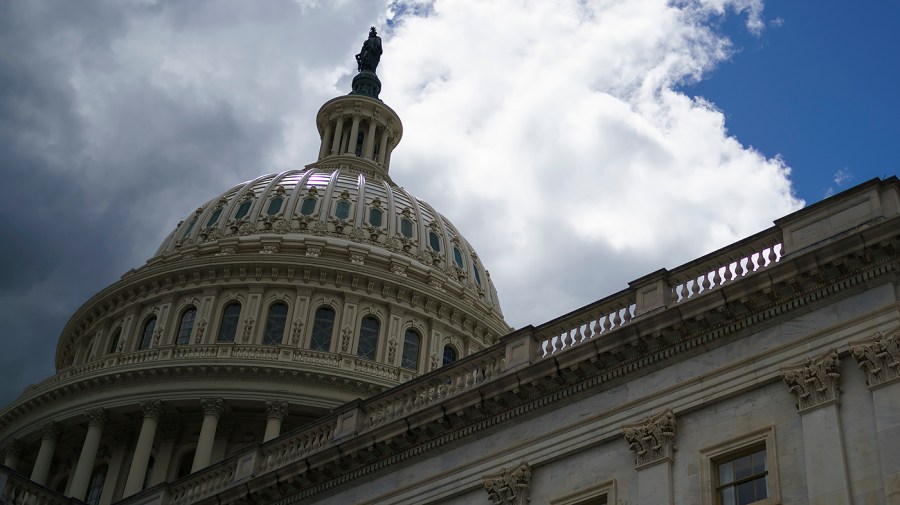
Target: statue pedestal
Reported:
point(366, 83)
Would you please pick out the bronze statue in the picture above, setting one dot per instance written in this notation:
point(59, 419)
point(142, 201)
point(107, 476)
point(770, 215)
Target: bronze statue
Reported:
point(370, 54)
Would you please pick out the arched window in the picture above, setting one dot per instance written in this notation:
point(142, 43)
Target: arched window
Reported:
point(449, 355)
point(434, 241)
point(457, 257)
point(410, 357)
point(274, 205)
point(147, 335)
point(375, 217)
point(475, 271)
point(186, 326)
point(230, 317)
point(342, 210)
point(214, 218)
point(308, 207)
point(406, 228)
point(275, 322)
point(95, 487)
point(243, 209)
point(114, 340)
point(189, 228)
point(323, 327)
point(368, 338)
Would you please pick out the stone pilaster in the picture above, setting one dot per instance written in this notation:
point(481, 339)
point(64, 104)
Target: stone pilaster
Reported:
point(653, 443)
point(121, 439)
point(168, 436)
point(816, 386)
point(880, 359)
point(511, 487)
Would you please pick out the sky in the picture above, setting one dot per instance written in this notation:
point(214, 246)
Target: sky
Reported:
point(578, 145)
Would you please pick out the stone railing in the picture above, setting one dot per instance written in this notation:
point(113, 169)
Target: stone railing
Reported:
point(206, 483)
point(439, 385)
point(660, 290)
point(297, 446)
point(17, 490)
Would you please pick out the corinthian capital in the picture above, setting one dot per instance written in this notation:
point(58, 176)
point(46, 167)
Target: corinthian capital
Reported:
point(511, 487)
point(97, 417)
point(652, 439)
point(212, 406)
point(880, 358)
point(152, 409)
point(50, 430)
point(816, 382)
point(276, 409)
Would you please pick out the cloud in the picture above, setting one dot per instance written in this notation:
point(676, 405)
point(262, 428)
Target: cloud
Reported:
point(552, 134)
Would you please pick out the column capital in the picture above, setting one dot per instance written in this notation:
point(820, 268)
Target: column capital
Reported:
point(50, 431)
point(212, 406)
point(276, 409)
point(152, 409)
point(816, 382)
point(652, 439)
point(12, 447)
point(97, 417)
point(880, 358)
point(510, 487)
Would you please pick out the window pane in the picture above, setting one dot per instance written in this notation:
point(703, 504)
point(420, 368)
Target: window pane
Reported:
point(368, 338)
point(274, 333)
point(726, 473)
point(742, 468)
point(477, 277)
point(410, 358)
point(214, 218)
point(95, 487)
point(406, 228)
point(323, 327)
point(243, 210)
point(762, 488)
point(342, 210)
point(147, 336)
point(187, 324)
point(114, 340)
point(434, 241)
point(308, 207)
point(457, 257)
point(449, 355)
point(275, 206)
point(375, 217)
point(759, 462)
point(726, 496)
point(189, 228)
point(228, 328)
point(746, 493)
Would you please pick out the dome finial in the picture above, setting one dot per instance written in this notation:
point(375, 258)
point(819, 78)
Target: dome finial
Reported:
point(366, 82)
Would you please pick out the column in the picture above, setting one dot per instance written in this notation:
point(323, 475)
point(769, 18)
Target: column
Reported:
point(49, 435)
point(275, 412)
point(369, 150)
point(815, 384)
point(338, 133)
point(879, 359)
point(120, 442)
point(12, 451)
point(382, 147)
point(168, 437)
point(323, 150)
point(510, 487)
point(152, 412)
point(354, 133)
point(212, 409)
point(82, 475)
point(653, 443)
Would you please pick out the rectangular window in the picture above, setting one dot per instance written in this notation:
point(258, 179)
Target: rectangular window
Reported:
point(603, 494)
point(741, 471)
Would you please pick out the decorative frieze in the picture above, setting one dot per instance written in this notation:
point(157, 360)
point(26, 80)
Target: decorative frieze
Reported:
point(816, 383)
point(276, 409)
point(880, 358)
point(652, 439)
point(511, 487)
point(212, 406)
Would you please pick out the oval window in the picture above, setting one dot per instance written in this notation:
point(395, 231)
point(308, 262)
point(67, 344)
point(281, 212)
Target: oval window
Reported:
point(457, 257)
point(342, 210)
point(434, 241)
point(308, 207)
point(189, 228)
point(375, 217)
point(214, 218)
point(243, 210)
point(406, 228)
point(274, 206)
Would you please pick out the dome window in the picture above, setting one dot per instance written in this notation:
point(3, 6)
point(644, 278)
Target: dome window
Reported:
point(410, 357)
point(457, 257)
point(323, 327)
point(406, 228)
point(368, 338)
point(475, 273)
point(342, 210)
point(189, 228)
point(214, 218)
point(308, 207)
point(114, 340)
point(375, 217)
point(275, 323)
point(147, 335)
point(275, 205)
point(243, 210)
point(434, 241)
point(449, 355)
point(186, 326)
point(228, 327)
